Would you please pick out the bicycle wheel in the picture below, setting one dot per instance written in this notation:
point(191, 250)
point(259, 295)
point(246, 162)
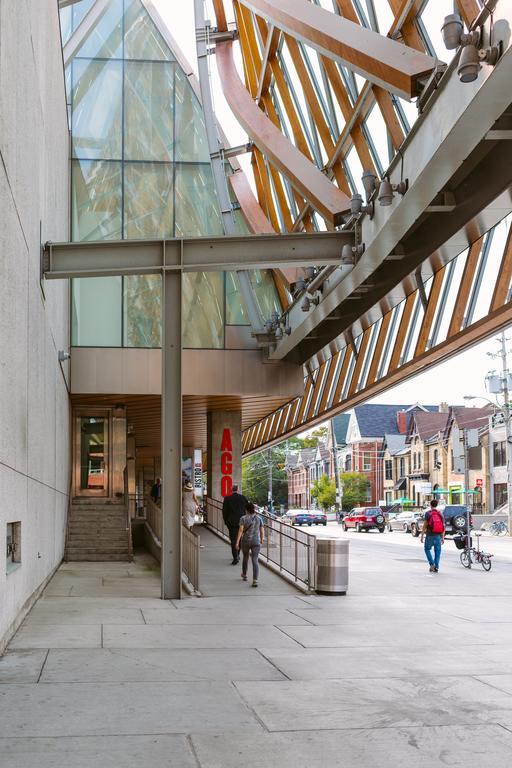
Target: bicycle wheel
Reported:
point(486, 563)
point(465, 558)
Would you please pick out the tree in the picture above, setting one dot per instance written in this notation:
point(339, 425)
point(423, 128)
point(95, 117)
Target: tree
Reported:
point(324, 491)
point(255, 474)
point(355, 487)
point(310, 441)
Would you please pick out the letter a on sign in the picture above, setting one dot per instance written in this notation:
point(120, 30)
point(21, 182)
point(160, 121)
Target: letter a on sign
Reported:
point(226, 441)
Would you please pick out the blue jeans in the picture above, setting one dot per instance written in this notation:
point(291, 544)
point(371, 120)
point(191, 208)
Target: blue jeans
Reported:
point(433, 540)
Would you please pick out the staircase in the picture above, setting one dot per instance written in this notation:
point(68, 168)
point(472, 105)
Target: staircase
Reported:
point(97, 532)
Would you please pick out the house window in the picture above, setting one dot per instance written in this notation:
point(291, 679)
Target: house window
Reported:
point(388, 468)
point(499, 454)
point(367, 462)
point(348, 463)
point(414, 461)
point(13, 546)
point(402, 467)
point(419, 460)
point(500, 494)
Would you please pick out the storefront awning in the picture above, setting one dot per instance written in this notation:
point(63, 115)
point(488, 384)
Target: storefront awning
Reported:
point(400, 486)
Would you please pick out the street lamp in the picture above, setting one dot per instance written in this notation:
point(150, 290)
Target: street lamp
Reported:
point(508, 442)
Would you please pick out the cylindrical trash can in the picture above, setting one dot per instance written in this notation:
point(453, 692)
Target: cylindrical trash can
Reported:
point(332, 566)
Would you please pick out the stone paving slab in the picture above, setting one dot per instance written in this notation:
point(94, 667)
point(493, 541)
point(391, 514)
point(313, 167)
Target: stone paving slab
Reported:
point(374, 661)
point(93, 615)
point(376, 703)
point(21, 666)
point(154, 665)
point(100, 709)
point(104, 751)
point(204, 636)
point(434, 747)
point(487, 633)
point(227, 616)
point(57, 636)
point(249, 600)
point(360, 635)
point(355, 615)
point(85, 603)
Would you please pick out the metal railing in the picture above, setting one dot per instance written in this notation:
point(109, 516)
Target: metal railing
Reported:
point(190, 556)
point(290, 551)
point(190, 542)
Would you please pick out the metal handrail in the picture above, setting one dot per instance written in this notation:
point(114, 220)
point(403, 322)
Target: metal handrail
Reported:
point(190, 556)
point(190, 542)
point(290, 551)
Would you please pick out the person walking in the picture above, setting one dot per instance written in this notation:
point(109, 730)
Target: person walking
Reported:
point(433, 534)
point(251, 535)
point(188, 505)
point(156, 491)
point(233, 508)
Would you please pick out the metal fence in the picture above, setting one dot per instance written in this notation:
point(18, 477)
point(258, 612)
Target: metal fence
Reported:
point(190, 542)
point(190, 556)
point(290, 551)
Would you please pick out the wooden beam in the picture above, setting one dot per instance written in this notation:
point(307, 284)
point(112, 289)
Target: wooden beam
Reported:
point(469, 10)
point(361, 355)
point(269, 52)
point(402, 332)
point(311, 183)
point(379, 347)
point(502, 287)
point(482, 329)
point(465, 287)
point(377, 58)
point(428, 317)
point(220, 13)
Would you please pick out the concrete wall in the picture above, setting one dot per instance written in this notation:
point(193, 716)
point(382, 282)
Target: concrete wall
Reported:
point(34, 191)
point(205, 372)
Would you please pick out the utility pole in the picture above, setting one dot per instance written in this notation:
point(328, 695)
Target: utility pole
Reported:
point(335, 466)
point(466, 492)
point(508, 426)
point(270, 505)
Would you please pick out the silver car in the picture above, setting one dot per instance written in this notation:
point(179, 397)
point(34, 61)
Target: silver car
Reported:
point(403, 521)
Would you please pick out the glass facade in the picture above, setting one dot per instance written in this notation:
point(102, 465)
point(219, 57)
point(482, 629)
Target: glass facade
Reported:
point(141, 169)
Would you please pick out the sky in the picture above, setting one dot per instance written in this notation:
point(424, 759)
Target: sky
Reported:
point(464, 374)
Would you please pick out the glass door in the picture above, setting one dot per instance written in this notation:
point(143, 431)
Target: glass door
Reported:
point(92, 455)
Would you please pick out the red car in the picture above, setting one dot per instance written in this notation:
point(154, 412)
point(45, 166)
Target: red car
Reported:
point(364, 518)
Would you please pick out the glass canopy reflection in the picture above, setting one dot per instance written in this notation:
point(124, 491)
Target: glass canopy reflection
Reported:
point(141, 169)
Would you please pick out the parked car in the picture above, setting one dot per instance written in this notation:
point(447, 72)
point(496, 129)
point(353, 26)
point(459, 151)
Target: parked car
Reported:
point(403, 521)
point(319, 518)
point(364, 519)
point(306, 517)
point(455, 520)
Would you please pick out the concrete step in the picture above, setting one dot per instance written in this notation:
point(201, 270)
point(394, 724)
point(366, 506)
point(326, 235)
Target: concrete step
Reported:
point(97, 558)
point(95, 550)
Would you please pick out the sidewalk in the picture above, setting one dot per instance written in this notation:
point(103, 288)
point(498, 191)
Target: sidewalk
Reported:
point(410, 669)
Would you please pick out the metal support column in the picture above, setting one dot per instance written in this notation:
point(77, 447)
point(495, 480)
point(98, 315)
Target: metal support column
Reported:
point(171, 436)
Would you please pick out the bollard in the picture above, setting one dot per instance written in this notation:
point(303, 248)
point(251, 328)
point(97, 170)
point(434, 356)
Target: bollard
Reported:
point(332, 566)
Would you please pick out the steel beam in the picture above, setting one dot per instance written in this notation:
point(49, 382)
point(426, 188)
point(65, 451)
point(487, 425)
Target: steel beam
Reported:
point(171, 437)
point(453, 155)
point(379, 59)
point(201, 254)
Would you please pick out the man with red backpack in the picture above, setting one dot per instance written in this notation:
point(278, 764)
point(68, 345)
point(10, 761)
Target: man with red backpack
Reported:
point(433, 533)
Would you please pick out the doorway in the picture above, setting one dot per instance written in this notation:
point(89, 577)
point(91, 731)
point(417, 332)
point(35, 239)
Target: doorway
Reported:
point(92, 444)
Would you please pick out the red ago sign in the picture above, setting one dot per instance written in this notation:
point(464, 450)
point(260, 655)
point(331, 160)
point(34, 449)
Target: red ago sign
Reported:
point(226, 463)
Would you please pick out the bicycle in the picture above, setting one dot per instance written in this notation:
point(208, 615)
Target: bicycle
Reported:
point(498, 528)
point(471, 555)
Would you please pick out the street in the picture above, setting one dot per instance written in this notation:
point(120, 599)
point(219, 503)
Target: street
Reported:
point(394, 544)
